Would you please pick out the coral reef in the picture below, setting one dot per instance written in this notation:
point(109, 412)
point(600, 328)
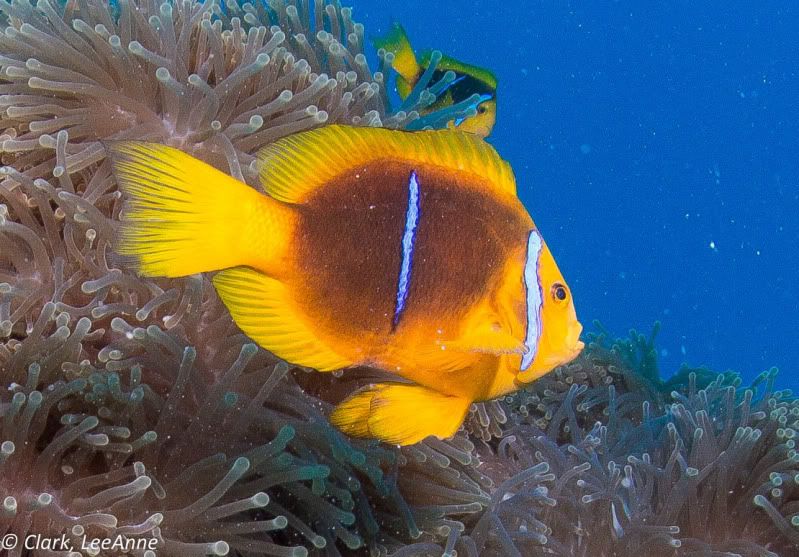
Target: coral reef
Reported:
point(135, 408)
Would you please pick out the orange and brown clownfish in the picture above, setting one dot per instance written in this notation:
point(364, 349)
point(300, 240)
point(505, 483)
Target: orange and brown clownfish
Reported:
point(408, 252)
point(469, 80)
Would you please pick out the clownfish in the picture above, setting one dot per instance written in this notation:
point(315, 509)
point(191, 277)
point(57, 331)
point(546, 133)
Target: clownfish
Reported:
point(404, 251)
point(469, 80)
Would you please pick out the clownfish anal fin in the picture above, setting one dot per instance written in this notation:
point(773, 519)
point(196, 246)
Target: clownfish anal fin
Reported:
point(261, 307)
point(400, 414)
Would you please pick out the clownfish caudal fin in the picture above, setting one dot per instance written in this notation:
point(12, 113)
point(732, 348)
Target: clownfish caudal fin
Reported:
point(187, 217)
point(405, 62)
point(400, 414)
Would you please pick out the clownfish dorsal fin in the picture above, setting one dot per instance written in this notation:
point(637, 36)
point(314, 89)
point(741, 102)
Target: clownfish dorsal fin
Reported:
point(261, 307)
point(400, 414)
point(460, 68)
point(295, 166)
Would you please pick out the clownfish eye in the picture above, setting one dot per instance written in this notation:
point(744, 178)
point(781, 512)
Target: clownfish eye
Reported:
point(481, 109)
point(559, 292)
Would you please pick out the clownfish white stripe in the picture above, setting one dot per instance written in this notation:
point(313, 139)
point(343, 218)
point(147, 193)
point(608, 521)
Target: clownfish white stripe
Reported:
point(408, 240)
point(535, 298)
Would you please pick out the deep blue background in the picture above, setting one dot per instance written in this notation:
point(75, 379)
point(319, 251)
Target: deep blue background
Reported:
point(656, 148)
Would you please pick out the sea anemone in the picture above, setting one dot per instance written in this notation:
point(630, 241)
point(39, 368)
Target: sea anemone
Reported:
point(707, 471)
point(135, 408)
point(219, 83)
point(715, 472)
point(120, 460)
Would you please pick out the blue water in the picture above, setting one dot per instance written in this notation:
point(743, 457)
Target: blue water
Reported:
point(656, 148)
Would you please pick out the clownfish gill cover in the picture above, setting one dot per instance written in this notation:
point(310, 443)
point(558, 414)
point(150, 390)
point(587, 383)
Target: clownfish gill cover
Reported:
point(271, 283)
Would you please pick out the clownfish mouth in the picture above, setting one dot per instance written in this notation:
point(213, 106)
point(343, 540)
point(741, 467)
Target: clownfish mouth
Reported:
point(578, 348)
point(574, 340)
point(566, 356)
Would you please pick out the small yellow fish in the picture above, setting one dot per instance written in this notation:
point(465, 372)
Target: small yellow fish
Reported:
point(408, 252)
point(469, 80)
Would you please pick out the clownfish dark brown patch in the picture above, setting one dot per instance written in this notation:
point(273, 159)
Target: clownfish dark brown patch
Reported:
point(409, 252)
point(350, 234)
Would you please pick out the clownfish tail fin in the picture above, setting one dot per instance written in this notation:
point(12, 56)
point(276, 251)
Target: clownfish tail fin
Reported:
point(187, 217)
point(400, 414)
point(405, 62)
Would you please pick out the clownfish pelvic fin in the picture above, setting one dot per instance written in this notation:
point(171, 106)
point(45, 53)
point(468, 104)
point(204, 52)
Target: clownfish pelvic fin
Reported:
point(402, 414)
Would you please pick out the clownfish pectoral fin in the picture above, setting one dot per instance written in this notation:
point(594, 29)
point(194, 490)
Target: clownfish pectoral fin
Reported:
point(484, 333)
point(445, 356)
point(261, 307)
point(405, 62)
point(400, 414)
point(493, 342)
point(187, 217)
